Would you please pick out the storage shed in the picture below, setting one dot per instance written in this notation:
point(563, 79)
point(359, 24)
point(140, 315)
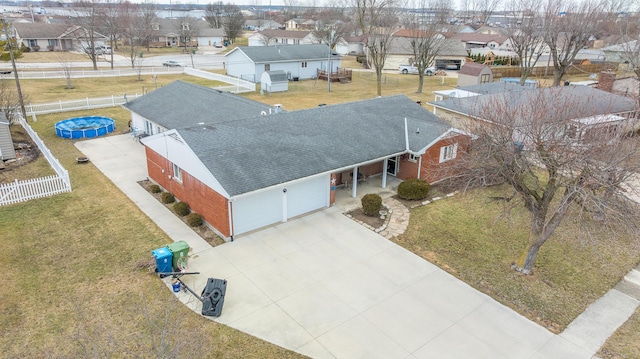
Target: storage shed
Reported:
point(274, 81)
point(6, 143)
point(472, 73)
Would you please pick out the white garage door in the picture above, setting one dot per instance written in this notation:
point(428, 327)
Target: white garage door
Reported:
point(257, 210)
point(267, 207)
point(307, 196)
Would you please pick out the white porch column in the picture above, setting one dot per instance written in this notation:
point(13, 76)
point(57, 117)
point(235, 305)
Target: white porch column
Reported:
point(355, 181)
point(384, 173)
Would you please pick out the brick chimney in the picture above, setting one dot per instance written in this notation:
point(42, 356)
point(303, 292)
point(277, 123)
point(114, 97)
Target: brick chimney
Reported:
point(605, 82)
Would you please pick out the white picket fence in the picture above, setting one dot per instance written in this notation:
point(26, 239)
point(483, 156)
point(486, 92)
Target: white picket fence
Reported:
point(236, 85)
point(78, 74)
point(74, 105)
point(22, 191)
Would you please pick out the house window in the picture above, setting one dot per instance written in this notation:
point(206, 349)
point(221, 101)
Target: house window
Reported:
point(185, 26)
point(484, 78)
point(33, 42)
point(413, 158)
point(304, 64)
point(448, 153)
point(267, 67)
point(155, 26)
point(177, 173)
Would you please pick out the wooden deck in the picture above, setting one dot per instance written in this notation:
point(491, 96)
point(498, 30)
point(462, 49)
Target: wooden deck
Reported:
point(342, 75)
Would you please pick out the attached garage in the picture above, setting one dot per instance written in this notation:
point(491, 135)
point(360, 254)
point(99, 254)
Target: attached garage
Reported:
point(276, 205)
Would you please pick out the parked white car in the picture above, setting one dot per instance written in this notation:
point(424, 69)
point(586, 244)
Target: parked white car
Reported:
point(411, 69)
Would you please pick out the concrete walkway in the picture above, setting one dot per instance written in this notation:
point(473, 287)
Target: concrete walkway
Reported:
point(328, 288)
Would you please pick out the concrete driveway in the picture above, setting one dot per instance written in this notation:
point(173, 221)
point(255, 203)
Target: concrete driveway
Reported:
point(326, 287)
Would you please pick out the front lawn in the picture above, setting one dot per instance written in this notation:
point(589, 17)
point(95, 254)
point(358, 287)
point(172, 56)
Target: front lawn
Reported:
point(470, 236)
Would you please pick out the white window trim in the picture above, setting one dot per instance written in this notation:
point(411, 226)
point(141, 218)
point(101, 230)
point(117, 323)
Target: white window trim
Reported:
point(452, 154)
point(413, 157)
point(177, 173)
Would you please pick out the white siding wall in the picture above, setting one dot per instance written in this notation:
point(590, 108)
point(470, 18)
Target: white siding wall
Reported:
point(239, 65)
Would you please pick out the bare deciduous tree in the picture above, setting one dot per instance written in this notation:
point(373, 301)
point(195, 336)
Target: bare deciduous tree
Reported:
point(187, 29)
point(233, 21)
point(10, 101)
point(377, 20)
point(568, 29)
point(331, 34)
point(426, 41)
point(526, 39)
point(559, 161)
point(87, 19)
point(213, 14)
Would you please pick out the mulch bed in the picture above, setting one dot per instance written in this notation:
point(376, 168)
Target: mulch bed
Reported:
point(373, 221)
point(203, 231)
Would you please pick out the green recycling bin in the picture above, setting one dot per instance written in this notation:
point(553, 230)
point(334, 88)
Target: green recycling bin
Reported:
point(180, 250)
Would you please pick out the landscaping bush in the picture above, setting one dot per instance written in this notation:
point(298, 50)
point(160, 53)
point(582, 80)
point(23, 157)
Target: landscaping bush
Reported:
point(371, 204)
point(194, 220)
point(181, 208)
point(155, 188)
point(167, 197)
point(413, 189)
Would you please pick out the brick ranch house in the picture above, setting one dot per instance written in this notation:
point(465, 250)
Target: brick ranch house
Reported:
point(243, 165)
point(593, 112)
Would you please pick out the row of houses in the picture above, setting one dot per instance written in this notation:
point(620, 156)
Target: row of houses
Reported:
point(41, 36)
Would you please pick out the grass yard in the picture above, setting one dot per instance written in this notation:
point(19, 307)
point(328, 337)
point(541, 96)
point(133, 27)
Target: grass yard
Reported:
point(70, 283)
point(311, 93)
point(470, 236)
point(625, 342)
point(43, 91)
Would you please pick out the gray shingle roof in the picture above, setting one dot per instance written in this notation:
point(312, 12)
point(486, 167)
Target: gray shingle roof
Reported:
point(583, 101)
point(250, 154)
point(402, 45)
point(278, 76)
point(286, 53)
point(39, 30)
point(494, 87)
point(181, 104)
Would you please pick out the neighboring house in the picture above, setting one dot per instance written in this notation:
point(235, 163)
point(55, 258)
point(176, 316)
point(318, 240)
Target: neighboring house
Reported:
point(300, 61)
point(281, 37)
point(621, 52)
point(481, 89)
point(54, 37)
point(260, 24)
point(475, 40)
point(274, 81)
point(244, 174)
point(7, 151)
point(472, 73)
point(170, 33)
point(593, 111)
point(351, 45)
point(300, 24)
point(208, 36)
point(626, 86)
point(452, 54)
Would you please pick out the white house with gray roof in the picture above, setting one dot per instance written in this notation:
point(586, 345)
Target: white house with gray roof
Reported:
point(244, 173)
point(298, 61)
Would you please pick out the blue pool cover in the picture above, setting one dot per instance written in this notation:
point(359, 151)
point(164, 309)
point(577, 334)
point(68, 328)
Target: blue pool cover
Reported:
point(85, 127)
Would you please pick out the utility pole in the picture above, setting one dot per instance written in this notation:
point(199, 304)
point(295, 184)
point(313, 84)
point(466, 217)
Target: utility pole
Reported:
point(15, 70)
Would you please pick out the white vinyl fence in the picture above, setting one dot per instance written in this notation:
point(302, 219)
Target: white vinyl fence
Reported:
point(74, 105)
point(79, 74)
point(22, 191)
point(236, 85)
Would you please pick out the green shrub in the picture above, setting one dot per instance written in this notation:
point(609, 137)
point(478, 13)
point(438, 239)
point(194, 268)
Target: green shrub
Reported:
point(181, 208)
point(194, 220)
point(167, 197)
point(413, 189)
point(155, 188)
point(371, 204)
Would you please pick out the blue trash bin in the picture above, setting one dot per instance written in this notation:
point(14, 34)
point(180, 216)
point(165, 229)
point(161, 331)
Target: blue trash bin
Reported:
point(164, 260)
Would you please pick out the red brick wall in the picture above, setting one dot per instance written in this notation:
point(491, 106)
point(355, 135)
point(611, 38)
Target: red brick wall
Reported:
point(407, 169)
point(433, 171)
point(203, 200)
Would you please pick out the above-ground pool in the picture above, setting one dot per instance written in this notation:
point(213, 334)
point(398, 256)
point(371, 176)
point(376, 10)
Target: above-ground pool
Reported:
point(85, 127)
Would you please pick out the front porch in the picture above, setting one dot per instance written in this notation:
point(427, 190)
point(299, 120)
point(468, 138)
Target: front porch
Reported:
point(373, 184)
